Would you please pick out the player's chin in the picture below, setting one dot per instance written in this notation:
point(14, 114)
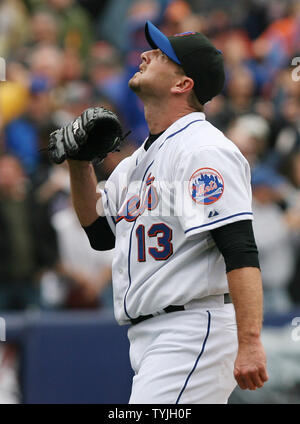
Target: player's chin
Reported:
point(133, 83)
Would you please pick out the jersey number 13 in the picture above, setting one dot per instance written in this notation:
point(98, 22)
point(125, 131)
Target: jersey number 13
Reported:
point(163, 233)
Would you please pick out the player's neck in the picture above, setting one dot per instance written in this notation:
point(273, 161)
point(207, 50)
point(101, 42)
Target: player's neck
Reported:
point(160, 116)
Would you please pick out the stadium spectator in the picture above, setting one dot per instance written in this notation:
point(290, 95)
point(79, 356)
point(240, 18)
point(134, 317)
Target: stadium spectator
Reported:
point(250, 132)
point(44, 28)
point(23, 135)
point(27, 243)
point(291, 169)
point(75, 26)
point(13, 26)
point(273, 238)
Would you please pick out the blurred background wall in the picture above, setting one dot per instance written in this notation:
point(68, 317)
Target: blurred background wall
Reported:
point(63, 56)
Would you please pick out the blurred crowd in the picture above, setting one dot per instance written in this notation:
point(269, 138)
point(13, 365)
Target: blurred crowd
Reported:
point(63, 56)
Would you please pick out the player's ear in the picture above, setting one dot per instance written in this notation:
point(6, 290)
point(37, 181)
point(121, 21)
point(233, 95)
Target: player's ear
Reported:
point(183, 85)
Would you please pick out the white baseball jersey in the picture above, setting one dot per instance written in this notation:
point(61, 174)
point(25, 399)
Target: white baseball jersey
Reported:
point(161, 205)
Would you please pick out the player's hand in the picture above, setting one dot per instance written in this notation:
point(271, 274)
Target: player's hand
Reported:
point(250, 366)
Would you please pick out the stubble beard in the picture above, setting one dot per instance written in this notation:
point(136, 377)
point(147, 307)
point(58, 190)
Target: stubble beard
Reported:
point(141, 89)
point(133, 85)
point(144, 89)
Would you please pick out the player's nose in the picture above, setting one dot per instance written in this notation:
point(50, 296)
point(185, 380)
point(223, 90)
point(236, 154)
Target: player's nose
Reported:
point(146, 56)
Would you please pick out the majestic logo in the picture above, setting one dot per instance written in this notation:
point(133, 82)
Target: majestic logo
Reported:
point(206, 186)
point(212, 214)
point(136, 205)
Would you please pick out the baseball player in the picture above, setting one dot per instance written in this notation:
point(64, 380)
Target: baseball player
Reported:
point(178, 212)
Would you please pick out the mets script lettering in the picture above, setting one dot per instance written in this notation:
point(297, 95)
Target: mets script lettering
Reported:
point(136, 205)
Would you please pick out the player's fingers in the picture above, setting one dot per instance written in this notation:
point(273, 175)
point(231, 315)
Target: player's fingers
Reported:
point(248, 379)
point(249, 382)
point(240, 379)
point(242, 382)
point(263, 374)
point(258, 376)
point(255, 378)
point(257, 382)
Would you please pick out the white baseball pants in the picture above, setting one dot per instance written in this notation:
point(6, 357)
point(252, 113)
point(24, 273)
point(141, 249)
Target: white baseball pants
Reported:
point(185, 357)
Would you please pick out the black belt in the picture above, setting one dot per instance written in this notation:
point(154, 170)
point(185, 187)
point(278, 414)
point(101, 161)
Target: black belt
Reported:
point(171, 308)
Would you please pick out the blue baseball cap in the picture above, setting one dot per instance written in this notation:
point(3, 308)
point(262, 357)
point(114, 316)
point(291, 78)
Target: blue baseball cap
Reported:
point(198, 57)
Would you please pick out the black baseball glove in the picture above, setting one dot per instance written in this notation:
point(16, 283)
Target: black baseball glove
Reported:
point(94, 134)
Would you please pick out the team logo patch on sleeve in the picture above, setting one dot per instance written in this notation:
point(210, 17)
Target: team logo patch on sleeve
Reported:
point(206, 186)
